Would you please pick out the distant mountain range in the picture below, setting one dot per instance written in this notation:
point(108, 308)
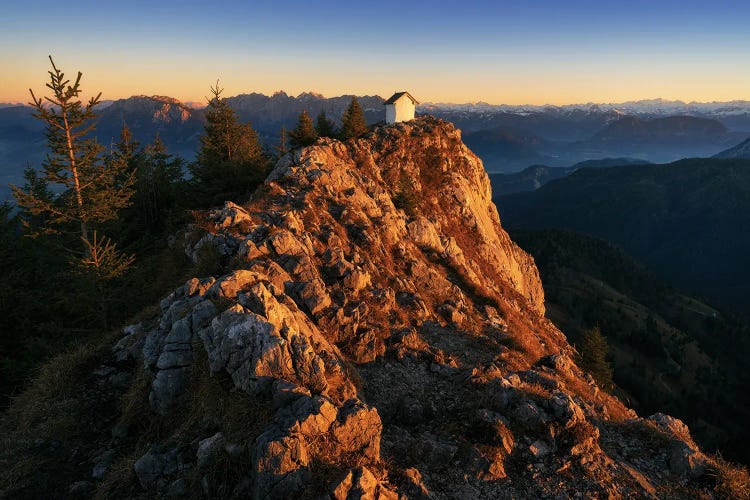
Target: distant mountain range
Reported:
point(507, 138)
point(688, 221)
point(655, 140)
point(733, 114)
point(179, 126)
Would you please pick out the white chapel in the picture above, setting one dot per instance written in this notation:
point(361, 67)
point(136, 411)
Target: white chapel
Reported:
point(400, 108)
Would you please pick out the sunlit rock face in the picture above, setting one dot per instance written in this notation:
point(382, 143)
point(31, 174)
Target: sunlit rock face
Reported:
point(372, 300)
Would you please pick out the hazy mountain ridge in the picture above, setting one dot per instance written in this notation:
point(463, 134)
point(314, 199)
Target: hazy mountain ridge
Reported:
point(536, 176)
point(741, 150)
point(688, 220)
point(647, 108)
point(508, 138)
point(269, 113)
point(507, 149)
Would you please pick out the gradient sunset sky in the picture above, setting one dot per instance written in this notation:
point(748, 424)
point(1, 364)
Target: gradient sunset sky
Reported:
point(531, 52)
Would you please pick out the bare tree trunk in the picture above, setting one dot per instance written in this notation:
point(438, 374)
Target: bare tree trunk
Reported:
point(76, 182)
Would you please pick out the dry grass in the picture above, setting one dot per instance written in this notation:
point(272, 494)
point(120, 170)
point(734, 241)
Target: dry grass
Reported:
point(120, 479)
point(47, 408)
point(214, 403)
point(732, 481)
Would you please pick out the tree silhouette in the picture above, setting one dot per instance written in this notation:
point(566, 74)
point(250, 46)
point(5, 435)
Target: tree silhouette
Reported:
point(594, 350)
point(230, 162)
point(353, 123)
point(304, 133)
point(91, 191)
point(324, 127)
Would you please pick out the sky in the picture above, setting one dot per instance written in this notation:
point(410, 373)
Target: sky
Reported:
point(519, 52)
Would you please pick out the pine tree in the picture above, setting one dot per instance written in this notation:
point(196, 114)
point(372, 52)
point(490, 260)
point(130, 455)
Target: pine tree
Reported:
point(230, 162)
point(353, 123)
point(594, 351)
point(304, 133)
point(92, 191)
point(158, 175)
point(324, 127)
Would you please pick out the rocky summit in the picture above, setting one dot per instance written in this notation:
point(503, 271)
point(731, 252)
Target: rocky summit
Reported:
point(374, 333)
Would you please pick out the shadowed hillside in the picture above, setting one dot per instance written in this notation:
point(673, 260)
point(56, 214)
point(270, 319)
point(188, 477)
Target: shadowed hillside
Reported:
point(688, 221)
point(669, 351)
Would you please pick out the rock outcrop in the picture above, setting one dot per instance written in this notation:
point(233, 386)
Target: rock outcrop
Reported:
point(400, 346)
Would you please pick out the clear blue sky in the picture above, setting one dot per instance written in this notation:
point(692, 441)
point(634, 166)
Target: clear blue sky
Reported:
point(501, 52)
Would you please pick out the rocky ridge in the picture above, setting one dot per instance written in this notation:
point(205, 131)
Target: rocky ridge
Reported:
point(399, 348)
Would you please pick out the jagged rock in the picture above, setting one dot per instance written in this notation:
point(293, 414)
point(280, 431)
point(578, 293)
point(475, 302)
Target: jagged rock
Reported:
point(203, 312)
point(222, 245)
point(451, 313)
point(492, 428)
point(357, 429)
point(359, 484)
point(539, 449)
point(309, 416)
point(281, 463)
point(102, 463)
point(81, 489)
point(311, 294)
point(530, 416)
point(486, 464)
point(255, 351)
point(672, 426)
point(332, 273)
point(209, 449)
point(285, 243)
point(585, 439)
point(687, 462)
point(228, 286)
point(565, 410)
point(356, 281)
point(415, 487)
point(423, 233)
point(228, 216)
point(167, 388)
point(177, 488)
point(685, 458)
point(559, 362)
point(194, 286)
point(285, 392)
point(153, 466)
point(365, 346)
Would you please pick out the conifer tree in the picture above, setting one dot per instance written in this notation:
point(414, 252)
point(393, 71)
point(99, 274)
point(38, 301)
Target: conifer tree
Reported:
point(230, 162)
point(353, 123)
point(158, 174)
point(324, 127)
point(594, 351)
point(92, 191)
point(304, 133)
